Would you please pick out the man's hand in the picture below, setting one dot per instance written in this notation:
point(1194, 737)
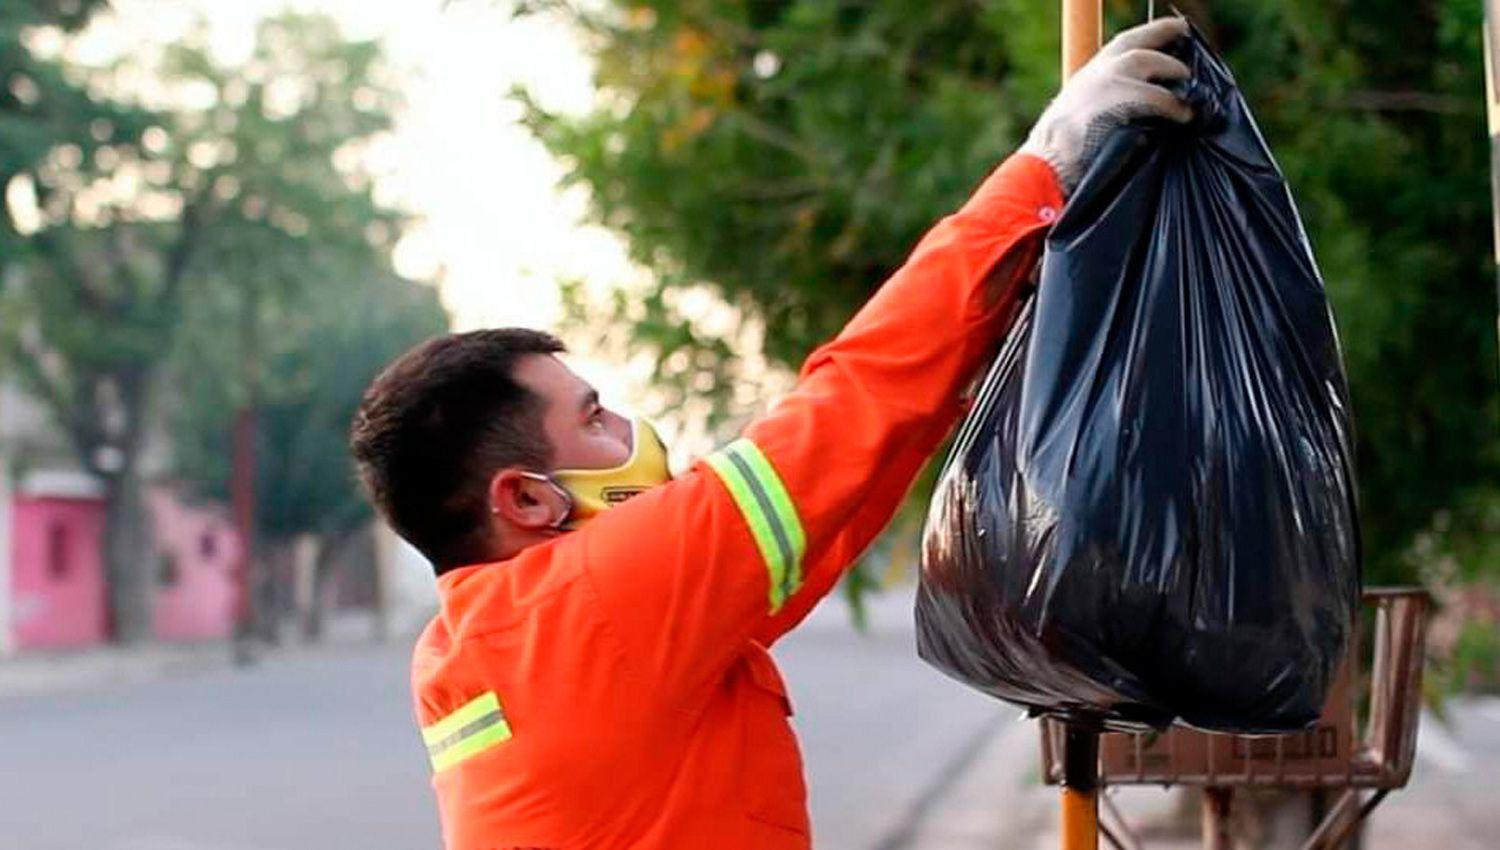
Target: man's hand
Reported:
point(1121, 83)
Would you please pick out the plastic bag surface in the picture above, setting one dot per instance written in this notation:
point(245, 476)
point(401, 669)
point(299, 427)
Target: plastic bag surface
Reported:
point(1149, 514)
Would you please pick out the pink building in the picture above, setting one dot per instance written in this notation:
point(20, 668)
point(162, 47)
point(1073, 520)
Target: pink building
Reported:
point(196, 550)
point(57, 571)
point(57, 579)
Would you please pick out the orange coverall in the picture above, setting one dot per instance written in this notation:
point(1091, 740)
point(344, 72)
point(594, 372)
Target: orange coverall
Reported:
point(612, 688)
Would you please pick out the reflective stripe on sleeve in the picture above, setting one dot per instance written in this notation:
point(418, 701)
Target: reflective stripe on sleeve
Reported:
point(467, 732)
point(768, 510)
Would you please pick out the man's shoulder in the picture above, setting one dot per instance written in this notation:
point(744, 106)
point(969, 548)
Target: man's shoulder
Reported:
point(485, 598)
point(527, 629)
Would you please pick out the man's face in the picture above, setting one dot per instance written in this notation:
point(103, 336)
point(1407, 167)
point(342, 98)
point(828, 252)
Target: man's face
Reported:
point(583, 434)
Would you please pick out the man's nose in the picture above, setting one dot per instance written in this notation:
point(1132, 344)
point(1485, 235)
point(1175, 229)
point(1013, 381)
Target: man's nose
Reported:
point(620, 427)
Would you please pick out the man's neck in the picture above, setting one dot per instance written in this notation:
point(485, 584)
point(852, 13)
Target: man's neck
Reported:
point(513, 541)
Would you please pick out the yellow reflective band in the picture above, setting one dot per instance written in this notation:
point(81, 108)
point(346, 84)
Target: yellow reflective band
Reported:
point(467, 732)
point(767, 508)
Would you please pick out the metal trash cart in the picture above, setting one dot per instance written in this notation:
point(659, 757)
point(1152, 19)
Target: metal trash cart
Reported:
point(1360, 762)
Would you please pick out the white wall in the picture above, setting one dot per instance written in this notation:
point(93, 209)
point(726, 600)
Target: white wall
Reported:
point(410, 588)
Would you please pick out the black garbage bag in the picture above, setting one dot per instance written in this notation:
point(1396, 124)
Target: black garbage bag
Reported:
point(1149, 514)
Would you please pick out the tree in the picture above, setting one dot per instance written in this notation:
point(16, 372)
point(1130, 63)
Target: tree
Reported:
point(43, 111)
point(786, 154)
point(56, 140)
point(248, 200)
point(317, 362)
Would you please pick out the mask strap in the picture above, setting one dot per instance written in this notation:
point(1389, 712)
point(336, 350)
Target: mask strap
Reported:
point(561, 491)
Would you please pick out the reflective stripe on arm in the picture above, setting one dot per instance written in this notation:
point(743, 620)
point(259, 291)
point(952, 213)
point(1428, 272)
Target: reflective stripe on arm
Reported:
point(768, 510)
point(467, 732)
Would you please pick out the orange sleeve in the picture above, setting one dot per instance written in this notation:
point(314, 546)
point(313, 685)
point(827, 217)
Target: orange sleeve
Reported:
point(746, 542)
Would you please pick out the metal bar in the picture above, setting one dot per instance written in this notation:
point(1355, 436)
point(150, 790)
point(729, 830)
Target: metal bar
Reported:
point(1049, 751)
point(1370, 804)
point(1216, 805)
point(1409, 620)
point(1330, 828)
point(1121, 834)
point(1342, 820)
point(1140, 755)
point(1380, 696)
point(1082, 33)
point(1354, 662)
point(1109, 836)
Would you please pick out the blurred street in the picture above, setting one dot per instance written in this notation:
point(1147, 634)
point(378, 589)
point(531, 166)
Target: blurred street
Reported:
point(317, 750)
point(222, 223)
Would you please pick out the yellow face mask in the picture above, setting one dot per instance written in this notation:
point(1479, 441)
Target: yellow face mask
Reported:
point(593, 491)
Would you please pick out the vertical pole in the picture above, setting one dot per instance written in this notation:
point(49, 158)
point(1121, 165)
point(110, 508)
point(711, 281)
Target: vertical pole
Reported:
point(7, 577)
point(242, 498)
point(1492, 109)
point(242, 475)
point(1080, 800)
point(1082, 33)
point(383, 591)
point(1216, 834)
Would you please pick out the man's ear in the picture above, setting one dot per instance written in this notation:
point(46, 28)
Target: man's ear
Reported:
point(525, 502)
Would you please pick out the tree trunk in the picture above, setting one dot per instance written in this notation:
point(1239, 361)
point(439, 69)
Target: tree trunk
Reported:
point(1274, 818)
point(382, 566)
point(304, 559)
point(129, 577)
point(322, 574)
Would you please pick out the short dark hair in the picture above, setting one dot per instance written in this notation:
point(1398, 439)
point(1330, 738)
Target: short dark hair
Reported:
point(436, 424)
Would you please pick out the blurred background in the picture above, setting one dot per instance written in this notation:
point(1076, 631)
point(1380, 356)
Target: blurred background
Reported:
point(221, 218)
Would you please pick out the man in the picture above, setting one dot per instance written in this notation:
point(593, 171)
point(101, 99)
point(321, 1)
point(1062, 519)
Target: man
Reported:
point(598, 675)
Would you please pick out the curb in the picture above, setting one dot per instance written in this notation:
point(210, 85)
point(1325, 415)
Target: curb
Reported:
point(73, 672)
point(995, 803)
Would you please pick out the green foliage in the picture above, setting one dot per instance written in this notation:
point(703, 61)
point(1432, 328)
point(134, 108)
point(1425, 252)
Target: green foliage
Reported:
point(271, 169)
point(229, 216)
point(78, 303)
point(316, 365)
point(298, 307)
point(1475, 664)
point(43, 110)
point(787, 155)
point(218, 221)
point(65, 288)
point(40, 107)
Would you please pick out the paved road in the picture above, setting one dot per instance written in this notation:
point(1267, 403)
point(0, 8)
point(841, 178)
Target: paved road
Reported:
point(316, 751)
point(1453, 801)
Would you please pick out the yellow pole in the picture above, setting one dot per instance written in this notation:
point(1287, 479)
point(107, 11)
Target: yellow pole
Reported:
point(1080, 800)
point(1080, 820)
point(1082, 33)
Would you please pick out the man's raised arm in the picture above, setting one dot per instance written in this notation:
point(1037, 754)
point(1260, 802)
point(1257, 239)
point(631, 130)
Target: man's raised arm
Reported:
point(743, 545)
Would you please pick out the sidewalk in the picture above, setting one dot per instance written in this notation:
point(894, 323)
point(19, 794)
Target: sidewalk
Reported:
point(35, 673)
point(997, 802)
point(63, 671)
point(68, 671)
point(1450, 802)
point(988, 797)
